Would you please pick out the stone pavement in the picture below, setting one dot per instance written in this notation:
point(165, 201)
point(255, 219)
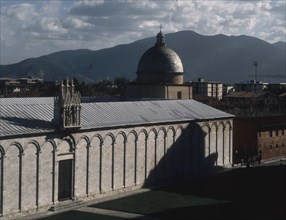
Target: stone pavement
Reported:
point(83, 207)
point(106, 212)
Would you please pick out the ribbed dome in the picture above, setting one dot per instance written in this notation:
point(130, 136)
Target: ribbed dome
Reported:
point(160, 64)
point(160, 59)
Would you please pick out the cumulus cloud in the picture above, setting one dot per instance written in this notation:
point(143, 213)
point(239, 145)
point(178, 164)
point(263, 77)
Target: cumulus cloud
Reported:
point(33, 28)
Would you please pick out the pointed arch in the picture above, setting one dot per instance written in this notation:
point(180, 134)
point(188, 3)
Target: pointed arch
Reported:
point(179, 127)
point(143, 131)
point(123, 135)
point(95, 164)
point(131, 158)
point(151, 154)
point(213, 144)
point(221, 123)
point(220, 143)
point(164, 130)
point(120, 160)
point(204, 140)
point(228, 143)
point(229, 124)
point(142, 153)
point(52, 142)
point(160, 153)
point(47, 172)
point(31, 169)
point(82, 168)
point(14, 154)
point(134, 133)
point(2, 152)
point(155, 132)
point(100, 138)
point(35, 143)
point(179, 151)
point(214, 124)
point(72, 142)
point(170, 160)
point(18, 145)
point(2, 155)
point(83, 137)
point(107, 162)
point(111, 135)
point(207, 125)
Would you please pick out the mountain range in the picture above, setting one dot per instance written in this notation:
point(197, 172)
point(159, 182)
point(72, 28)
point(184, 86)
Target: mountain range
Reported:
point(217, 58)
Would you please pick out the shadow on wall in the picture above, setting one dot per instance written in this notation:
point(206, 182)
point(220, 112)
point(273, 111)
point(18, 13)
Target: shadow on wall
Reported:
point(192, 153)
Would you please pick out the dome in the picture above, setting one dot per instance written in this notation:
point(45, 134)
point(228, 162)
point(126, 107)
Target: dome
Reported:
point(160, 64)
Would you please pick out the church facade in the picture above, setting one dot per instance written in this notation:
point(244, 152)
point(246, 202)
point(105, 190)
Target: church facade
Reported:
point(61, 149)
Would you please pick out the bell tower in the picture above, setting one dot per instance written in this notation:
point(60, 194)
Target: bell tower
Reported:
point(67, 107)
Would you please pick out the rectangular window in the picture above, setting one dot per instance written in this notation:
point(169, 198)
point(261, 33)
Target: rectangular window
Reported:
point(270, 133)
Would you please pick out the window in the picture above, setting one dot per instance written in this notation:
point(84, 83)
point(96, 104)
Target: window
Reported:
point(277, 146)
point(277, 133)
point(270, 133)
point(259, 134)
point(282, 132)
point(270, 146)
point(282, 145)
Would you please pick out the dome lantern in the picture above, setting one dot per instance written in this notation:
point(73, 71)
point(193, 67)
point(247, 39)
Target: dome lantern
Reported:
point(160, 40)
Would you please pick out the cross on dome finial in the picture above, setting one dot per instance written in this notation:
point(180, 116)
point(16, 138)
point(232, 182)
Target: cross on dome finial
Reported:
point(160, 38)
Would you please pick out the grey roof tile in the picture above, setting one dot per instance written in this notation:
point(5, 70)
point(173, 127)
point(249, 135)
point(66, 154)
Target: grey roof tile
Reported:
point(34, 115)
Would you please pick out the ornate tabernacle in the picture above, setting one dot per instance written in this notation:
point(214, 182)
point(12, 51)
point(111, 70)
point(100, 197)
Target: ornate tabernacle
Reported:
point(67, 107)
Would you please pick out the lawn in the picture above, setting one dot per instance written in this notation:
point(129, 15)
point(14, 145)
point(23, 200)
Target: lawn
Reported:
point(242, 193)
point(256, 192)
point(77, 215)
point(155, 201)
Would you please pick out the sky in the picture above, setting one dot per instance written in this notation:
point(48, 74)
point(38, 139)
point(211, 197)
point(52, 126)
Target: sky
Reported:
point(38, 27)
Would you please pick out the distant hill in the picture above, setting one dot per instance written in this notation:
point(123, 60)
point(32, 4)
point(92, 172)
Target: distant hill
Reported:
point(281, 45)
point(219, 58)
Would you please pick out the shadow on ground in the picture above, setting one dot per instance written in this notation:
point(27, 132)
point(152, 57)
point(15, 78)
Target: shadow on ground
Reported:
point(256, 192)
point(241, 193)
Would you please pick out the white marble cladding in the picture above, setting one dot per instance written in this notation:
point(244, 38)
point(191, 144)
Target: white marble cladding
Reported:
point(107, 161)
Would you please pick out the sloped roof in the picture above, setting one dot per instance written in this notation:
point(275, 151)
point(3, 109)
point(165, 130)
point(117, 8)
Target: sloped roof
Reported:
point(34, 115)
point(248, 94)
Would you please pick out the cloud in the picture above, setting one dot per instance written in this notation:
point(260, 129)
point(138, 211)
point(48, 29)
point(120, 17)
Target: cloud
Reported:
point(34, 28)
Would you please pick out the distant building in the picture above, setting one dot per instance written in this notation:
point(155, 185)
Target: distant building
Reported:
point(277, 88)
point(203, 88)
point(227, 88)
point(254, 136)
point(253, 104)
point(160, 74)
point(10, 85)
point(253, 86)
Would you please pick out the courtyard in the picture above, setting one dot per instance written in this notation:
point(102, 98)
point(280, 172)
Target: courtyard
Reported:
point(254, 192)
